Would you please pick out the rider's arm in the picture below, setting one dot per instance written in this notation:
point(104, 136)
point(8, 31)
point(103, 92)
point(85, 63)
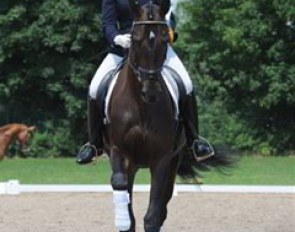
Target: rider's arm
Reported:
point(109, 19)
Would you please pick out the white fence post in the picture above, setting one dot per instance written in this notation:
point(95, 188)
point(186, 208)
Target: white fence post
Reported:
point(12, 187)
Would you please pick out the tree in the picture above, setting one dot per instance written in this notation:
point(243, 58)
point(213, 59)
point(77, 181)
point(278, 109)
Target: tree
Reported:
point(49, 50)
point(243, 53)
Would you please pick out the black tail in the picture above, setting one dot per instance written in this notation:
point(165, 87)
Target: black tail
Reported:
point(222, 161)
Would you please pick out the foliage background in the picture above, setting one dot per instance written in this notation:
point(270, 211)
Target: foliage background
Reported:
point(240, 54)
point(49, 51)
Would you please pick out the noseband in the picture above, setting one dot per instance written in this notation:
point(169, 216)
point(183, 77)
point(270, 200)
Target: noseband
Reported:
point(138, 70)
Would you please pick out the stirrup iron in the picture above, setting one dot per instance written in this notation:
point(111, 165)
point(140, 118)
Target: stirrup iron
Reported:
point(92, 146)
point(202, 158)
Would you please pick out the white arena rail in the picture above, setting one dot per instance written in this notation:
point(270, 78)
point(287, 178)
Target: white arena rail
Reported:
point(14, 187)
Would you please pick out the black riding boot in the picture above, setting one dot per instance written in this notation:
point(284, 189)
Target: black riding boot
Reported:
point(95, 122)
point(200, 146)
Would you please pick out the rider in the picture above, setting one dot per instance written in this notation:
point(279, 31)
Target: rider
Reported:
point(117, 21)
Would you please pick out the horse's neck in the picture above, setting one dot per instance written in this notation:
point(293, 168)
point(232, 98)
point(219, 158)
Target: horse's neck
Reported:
point(4, 128)
point(11, 129)
point(130, 81)
point(7, 135)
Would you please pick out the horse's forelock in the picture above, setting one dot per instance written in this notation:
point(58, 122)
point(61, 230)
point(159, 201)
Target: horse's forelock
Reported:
point(151, 12)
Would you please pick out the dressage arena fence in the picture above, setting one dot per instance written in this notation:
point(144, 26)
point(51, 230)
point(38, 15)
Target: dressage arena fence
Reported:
point(13, 187)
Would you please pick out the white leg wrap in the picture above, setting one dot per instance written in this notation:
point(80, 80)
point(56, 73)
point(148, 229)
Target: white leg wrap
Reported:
point(122, 218)
point(162, 229)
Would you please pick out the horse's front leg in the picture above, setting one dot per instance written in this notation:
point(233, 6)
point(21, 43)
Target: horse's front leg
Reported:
point(122, 183)
point(5, 141)
point(163, 177)
point(131, 175)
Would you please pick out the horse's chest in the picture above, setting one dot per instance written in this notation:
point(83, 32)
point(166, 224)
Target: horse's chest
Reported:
point(143, 132)
point(143, 144)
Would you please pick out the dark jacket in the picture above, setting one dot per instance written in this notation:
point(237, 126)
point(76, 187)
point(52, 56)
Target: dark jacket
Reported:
point(117, 19)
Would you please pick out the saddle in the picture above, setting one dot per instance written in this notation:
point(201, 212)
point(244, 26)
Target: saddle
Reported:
point(104, 86)
point(172, 80)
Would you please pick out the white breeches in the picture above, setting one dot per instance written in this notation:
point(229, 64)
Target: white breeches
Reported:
point(111, 62)
point(173, 61)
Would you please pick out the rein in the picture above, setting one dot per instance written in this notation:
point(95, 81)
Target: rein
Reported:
point(149, 22)
point(138, 70)
point(144, 73)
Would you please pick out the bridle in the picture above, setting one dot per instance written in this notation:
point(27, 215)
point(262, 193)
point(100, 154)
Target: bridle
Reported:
point(146, 74)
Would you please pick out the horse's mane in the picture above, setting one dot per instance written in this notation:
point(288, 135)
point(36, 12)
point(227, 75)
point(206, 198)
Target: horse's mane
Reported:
point(4, 128)
point(8, 126)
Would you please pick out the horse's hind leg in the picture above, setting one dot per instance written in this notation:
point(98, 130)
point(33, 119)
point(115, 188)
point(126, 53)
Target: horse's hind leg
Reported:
point(122, 183)
point(163, 177)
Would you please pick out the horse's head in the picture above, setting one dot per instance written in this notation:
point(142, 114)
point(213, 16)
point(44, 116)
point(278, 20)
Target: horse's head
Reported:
point(24, 137)
point(148, 49)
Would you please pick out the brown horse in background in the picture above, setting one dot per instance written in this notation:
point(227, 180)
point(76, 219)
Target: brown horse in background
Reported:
point(15, 131)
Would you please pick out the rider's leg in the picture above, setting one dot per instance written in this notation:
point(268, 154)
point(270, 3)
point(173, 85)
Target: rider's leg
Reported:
point(199, 145)
point(95, 112)
point(94, 124)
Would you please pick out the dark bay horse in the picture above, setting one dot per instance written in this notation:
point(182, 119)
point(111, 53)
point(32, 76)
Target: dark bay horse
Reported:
point(143, 131)
point(15, 131)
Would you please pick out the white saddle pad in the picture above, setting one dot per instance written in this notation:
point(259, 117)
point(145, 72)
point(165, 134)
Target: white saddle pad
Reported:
point(171, 85)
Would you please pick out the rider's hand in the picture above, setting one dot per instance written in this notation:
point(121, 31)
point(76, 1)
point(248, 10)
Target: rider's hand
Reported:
point(123, 40)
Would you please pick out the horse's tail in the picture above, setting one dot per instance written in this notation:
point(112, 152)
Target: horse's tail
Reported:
point(222, 161)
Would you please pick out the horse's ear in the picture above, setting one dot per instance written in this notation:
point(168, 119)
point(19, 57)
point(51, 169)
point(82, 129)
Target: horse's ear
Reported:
point(32, 128)
point(165, 6)
point(134, 5)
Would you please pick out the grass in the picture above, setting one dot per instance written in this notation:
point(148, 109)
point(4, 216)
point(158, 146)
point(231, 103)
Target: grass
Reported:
point(252, 170)
point(58, 171)
point(258, 170)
